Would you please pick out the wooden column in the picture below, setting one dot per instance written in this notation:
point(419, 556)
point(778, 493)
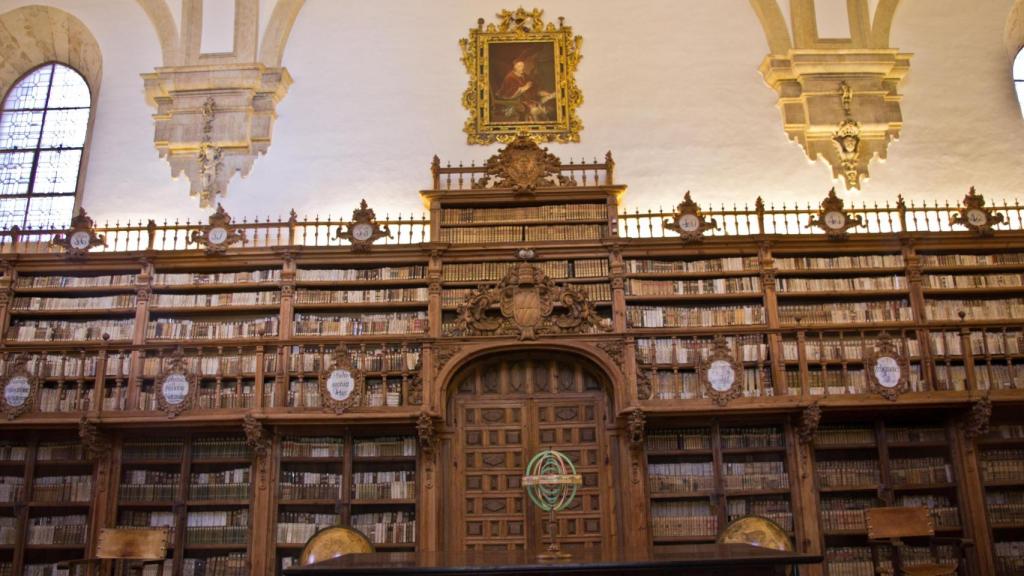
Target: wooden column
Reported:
point(803, 496)
point(771, 311)
point(971, 496)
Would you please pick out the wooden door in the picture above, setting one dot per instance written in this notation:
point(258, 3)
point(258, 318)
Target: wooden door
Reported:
point(504, 411)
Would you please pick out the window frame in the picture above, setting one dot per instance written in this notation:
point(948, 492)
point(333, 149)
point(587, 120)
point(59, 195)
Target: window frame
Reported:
point(38, 149)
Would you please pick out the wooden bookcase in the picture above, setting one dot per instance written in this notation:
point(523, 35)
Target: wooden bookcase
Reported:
point(1001, 459)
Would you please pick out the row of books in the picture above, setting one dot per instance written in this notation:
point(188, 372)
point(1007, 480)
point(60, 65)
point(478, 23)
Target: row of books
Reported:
point(219, 447)
point(359, 325)
point(525, 213)
point(212, 364)
point(298, 527)
point(300, 485)
point(377, 393)
point(313, 447)
point(13, 452)
point(492, 234)
point(8, 530)
point(683, 317)
point(394, 527)
point(1009, 558)
point(849, 561)
point(842, 435)
point(975, 309)
point(845, 512)
point(258, 298)
point(304, 394)
point(914, 471)
point(640, 287)
point(952, 377)
point(597, 292)
point(102, 281)
point(153, 449)
point(687, 351)
point(847, 312)
point(206, 279)
point(385, 446)
point(36, 303)
point(67, 331)
point(1006, 432)
point(147, 519)
point(735, 264)
point(11, 488)
point(956, 260)
point(854, 284)
point(998, 465)
point(943, 511)
point(827, 349)
point(763, 437)
point(847, 473)
point(148, 485)
point(680, 477)
point(360, 274)
point(188, 329)
point(973, 280)
point(755, 475)
point(62, 489)
point(840, 262)
point(557, 269)
point(385, 358)
point(58, 366)
point(385, 295)
point(915, 434)
point(982, 343)
point(223, 485)
point(217, 527)
point(681, 439)
point(774, 509)
point(678, 385)
point(208, 397)
point(68, 529)
point(683, 518)
point(64, 399)
point(384, 485)
point(234, 564)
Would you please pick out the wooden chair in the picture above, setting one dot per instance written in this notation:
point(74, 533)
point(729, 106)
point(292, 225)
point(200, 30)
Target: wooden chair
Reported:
point(130, 547)
point(891, 525)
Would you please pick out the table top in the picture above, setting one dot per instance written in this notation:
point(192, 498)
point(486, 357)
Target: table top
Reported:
point(583, 561)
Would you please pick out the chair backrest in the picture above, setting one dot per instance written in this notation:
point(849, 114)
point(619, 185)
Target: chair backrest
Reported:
point(132, 544)
point(885, 523)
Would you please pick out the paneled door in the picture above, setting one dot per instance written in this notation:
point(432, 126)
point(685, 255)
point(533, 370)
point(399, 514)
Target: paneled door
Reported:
point(503, 411)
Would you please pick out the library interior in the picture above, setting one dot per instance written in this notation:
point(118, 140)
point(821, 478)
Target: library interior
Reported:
point(443, 337)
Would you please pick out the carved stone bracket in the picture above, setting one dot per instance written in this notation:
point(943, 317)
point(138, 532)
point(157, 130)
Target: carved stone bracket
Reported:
point(834, 219)
point(975, 216)
point(341, 384)
point(523, 166)
point(19, 389)
point(530, 304)
point(363, 230)
point(689, 222)
point(80, 238)
point(218, 234)
point(259, 440)
point(96, 443)
point(976, 424)
point(887, 369)
point(721, 374)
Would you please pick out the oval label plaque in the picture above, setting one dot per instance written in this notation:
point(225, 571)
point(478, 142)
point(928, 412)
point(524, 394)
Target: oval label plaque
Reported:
point(17, 391)
point(721, 375)
point(175, 388)
point(888, 372)
point(340, 384)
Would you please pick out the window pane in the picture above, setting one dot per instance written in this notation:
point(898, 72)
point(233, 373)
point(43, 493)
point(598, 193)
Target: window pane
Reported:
point(12, 211)
point(15, 171)
point(57, 172)
point(31, 91)
point(20, 129)
point(69, 89)
point(65, 128)
point(50, 212)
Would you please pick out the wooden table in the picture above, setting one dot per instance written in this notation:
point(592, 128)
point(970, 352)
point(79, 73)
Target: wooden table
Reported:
point(693, 560)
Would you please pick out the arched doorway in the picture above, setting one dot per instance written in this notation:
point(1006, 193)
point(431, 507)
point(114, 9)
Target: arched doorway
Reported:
point(502, 410)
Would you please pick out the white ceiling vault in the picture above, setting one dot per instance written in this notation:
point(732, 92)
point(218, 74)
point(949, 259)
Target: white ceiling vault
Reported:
point(671, 87)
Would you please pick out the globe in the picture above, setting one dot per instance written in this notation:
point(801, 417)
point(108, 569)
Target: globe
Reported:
point(551, 481)
point(756, 531)
point(332, 543)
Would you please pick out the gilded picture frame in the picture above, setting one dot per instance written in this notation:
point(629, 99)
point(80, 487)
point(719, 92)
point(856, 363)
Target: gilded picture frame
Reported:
point(522, 80)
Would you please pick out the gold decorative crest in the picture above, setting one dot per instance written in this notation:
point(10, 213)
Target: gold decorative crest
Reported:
point(176, 388)
point(530, 304)
point(689, 222)
point(18, 393)
point(218, 235)
point(522, 165)
point(833, 217)
point(363, 230)
point(721, 375)
point(975, 216)
point(887, 369)
point(81, 237)
point(522, 79)
point(341, 384)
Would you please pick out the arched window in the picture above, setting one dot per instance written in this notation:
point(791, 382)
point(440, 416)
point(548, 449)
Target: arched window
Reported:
point(43, 125)
point(1018, 78)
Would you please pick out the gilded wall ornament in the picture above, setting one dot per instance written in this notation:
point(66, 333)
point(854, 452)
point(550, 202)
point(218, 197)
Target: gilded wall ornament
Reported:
point(176, 388)
point(689, 222)
point(522, 79)
point(80, 238)
point(19, 389)
point(341, 384)
point(522, 165)
point(833, 218)
point(529, 304)
point(975, 216)
point(887, 369)
point(218, 234)
point(363, 230)
point(721, 374)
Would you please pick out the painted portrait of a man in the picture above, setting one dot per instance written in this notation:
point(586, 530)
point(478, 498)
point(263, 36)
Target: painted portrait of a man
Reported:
point(522, 80)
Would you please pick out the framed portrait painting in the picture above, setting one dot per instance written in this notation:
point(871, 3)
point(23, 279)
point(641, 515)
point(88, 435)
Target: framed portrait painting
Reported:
point(521, 80)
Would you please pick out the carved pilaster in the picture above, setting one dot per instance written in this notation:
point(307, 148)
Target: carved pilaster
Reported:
point(637, 435)
point(97, 448)
point(426, 432)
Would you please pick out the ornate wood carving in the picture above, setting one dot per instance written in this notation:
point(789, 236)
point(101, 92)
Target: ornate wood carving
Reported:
point(443, 353)
point(426, 433)
point(522, 165)
point(364, 229)
point(637, 423)
point(341, 384)
point(20, 388)
point(976, 424)
point(689, 222)
point(414, 392)
point(530, 304)
point(975, 216)
point(80, 238)
point(615, 349)
point(807, 429)
point(218, 234)
point(834, 219)
point(887, 369)
point(721, 374)
point(175, 387)
point(259, 440)
point(95, 442)
point(644, 390)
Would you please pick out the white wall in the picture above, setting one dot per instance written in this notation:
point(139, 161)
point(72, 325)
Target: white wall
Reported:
point(670, 86)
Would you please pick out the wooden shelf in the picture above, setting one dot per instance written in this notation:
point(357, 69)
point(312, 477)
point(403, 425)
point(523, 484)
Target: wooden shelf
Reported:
point(395, 502)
